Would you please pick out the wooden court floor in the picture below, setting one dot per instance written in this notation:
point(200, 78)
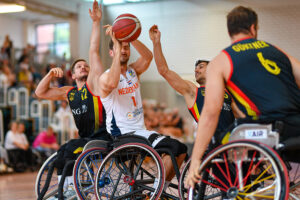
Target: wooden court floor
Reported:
point(17, 186)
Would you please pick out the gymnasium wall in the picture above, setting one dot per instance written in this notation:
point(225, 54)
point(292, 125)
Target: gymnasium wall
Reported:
point(12, 27)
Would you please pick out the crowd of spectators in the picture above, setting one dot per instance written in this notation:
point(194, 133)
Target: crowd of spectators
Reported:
point(163, 120)
point(19, 68)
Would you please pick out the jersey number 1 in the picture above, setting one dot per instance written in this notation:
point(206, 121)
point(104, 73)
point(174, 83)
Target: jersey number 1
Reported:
point(269, 65)
point(134, 102)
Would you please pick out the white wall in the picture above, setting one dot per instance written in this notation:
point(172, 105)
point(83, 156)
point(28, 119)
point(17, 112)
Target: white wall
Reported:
point(12, 27)
point(197, 29)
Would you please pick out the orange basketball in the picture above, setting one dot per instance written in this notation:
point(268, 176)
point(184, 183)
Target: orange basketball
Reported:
point(127, 28)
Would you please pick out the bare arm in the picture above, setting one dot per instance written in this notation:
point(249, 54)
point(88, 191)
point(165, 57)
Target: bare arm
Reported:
point(44, 90)
point(96, 66)
point(143, 62)
point(236, 111)
point(214, 96)
point(110, 80)
point(295, 67)
point(185, 88)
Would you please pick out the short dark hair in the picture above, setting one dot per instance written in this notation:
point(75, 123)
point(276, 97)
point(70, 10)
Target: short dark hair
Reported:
point(240, 19)
point(74, 63)
point(201, 61)
point(111, 44)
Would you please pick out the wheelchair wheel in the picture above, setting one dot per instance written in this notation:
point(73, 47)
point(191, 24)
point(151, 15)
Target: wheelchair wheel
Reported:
point(42, 176)
point(294, 177)
point(131, 171)
point(242, 170)
point(182, 190)
point(84, 172)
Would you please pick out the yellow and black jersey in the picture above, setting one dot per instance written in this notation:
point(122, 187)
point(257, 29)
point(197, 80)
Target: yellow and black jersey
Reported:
point(88, 112)
point(226, 117)
point(262, 81)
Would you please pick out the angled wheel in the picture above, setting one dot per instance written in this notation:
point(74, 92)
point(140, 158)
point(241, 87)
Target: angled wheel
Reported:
point(42, 176)
point(242, 170)
point(84, 172)
point(131, 171)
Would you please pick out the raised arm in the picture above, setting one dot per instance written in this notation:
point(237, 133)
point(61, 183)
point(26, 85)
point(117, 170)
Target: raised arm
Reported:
point(143, 62)
point(44, 90)
point(110, 79)
point(185, 88)
point(214, 96)
point(96, 66)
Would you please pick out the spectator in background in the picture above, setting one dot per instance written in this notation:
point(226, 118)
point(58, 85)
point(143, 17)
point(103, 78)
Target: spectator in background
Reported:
point(25, 76)
point(46, 142)
point(17, 146)
point(7, 45)
point(6, 74)
point(3, 54)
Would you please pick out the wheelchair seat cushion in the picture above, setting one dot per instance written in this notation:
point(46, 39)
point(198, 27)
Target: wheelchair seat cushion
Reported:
point(130, 138)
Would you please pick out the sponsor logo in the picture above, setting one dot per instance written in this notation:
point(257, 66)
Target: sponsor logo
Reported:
point(226, 107)
point(129, 115)
point(71, 96)
point(256, 134)
point(130, 72)
point(135, 113)
point(79, 111)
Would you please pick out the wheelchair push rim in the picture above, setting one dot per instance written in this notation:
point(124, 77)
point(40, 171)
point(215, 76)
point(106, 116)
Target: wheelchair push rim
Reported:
point(84, 172)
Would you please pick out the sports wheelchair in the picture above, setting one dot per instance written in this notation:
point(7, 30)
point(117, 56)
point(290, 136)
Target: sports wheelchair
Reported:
point(255, 164)
point(47, 184)
point(130, 169)
point(134, 170)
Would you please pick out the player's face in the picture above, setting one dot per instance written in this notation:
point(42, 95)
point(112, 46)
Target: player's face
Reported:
point(125, 53)
point(81, 71)
point(200, 72)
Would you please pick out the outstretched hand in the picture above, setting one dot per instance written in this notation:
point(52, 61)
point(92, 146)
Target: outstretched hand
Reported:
point(96, 12)
point(117, 44)
point(154, 34)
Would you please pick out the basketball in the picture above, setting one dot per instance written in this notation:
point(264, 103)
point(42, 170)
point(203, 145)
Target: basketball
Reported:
point(127, 28)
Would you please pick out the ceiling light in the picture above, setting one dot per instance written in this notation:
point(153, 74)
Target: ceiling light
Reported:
point(10, 8)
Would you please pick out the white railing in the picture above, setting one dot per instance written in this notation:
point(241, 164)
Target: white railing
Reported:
point(13, 100)
point(18, 98)
point(3, 92)
point(43, 111)
point(23, 100)
point(1, 129)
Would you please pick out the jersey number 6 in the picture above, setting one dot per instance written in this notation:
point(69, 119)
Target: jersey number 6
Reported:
point(269, 65)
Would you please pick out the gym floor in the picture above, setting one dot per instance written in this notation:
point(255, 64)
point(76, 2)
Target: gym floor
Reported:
point(17, 186)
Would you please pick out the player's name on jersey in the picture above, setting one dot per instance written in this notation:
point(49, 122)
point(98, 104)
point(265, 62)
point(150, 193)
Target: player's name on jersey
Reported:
point(248, 46)
point(127, 90)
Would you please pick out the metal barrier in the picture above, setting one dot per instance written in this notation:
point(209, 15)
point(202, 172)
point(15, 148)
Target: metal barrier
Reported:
point(43, 111)
point(3, 92)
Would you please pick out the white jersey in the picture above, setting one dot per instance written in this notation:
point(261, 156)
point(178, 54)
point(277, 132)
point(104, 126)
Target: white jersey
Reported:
point(123, 106)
